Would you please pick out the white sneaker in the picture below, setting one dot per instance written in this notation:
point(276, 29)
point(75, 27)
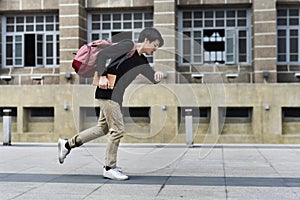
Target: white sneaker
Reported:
point(119, 169)
point(114, 174)
point(62, 150)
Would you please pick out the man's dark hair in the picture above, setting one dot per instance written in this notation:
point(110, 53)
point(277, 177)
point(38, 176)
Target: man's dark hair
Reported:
point(151, 34)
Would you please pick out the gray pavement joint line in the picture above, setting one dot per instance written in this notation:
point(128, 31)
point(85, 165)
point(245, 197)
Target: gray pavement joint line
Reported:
point(19, 195)
point(79, 167)
point(166, 165)
point(30, 189)
point(97, 188)
point(17, 172)
point(164, 184)
point(171, 173)
point(33, 188)
point(272, 166)
point(99, 161)
point(224, 171)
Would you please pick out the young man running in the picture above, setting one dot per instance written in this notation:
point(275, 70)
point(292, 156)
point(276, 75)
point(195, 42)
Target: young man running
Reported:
point(109, 96)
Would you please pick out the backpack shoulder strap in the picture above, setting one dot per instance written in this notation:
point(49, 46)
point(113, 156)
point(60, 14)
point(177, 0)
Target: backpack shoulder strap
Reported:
point(131, 52)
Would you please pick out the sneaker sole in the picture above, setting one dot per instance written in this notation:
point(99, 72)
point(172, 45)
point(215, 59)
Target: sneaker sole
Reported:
point(117, 179)
point(61, 160)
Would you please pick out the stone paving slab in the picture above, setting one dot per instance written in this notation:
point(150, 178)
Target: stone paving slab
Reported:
point(30, 171)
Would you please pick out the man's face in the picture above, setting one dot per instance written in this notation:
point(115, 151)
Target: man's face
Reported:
point(150, 47)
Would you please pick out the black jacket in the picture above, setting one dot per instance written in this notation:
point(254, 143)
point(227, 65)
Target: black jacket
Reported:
point(126, 72)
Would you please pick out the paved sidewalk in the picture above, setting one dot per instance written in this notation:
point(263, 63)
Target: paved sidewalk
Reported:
point(31, 172)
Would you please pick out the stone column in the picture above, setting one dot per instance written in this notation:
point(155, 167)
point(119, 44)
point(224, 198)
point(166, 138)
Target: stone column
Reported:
point(264, 41)
point(73, 34)
point(165, 22)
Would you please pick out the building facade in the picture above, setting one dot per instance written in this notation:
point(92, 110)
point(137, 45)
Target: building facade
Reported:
point(234, 63)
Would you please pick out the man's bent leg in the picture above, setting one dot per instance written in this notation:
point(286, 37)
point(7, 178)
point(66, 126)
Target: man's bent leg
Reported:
point(86, 136)
point(90, 134)
point(64, 145)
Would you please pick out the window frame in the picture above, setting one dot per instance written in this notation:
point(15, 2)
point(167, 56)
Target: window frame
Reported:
point(287, 28)
point(145, 18)
point(214, 20)
point(200, 114)
point(236, 114)
point(40, 114)
point(290, 114)
point(34, 24)
point(137, 114)
point(104, 31)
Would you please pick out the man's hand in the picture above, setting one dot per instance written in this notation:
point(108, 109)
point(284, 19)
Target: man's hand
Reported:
point(158, 76)
point(103, 82)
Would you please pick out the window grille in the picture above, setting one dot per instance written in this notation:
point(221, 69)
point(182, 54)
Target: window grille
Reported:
point(30, 40)
point(214, 36)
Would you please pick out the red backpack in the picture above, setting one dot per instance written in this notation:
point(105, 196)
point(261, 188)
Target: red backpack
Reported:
point(85, 60)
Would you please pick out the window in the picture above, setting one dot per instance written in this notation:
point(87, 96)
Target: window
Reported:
point(214, 36)
point(38, 119)
point(118, 26)
point(136, 114)
point(236, 114)
point(288, 31)
point(30, 41)
point(41, 112)
point(199, 114)
point(91, 112)
point(88, 117)
point(291, 113)
point(107, 25)
point(13, 112)
point(200, 119)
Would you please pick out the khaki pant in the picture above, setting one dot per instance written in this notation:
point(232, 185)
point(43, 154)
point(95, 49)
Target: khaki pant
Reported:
point(110, 123)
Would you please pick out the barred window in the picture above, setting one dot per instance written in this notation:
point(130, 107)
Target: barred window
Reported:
point(31, 40)
point(214, 36)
